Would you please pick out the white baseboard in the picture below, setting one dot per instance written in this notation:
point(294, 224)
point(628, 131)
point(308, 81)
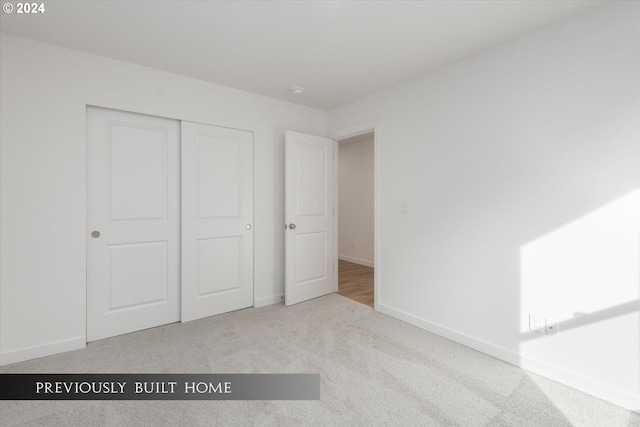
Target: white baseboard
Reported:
point(270, 300)
point(43, 350)
point(356, 260)
point(579, 382)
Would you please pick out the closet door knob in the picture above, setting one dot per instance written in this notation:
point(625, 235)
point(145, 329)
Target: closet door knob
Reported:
point(95, 234)
point(248, 226)
point(292, 226)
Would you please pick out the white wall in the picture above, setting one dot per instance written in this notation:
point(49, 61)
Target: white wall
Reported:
point(528, 149)
point(355, 201)
point(44, 91)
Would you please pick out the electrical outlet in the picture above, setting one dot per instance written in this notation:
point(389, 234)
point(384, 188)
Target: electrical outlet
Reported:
point(404, 208)
point(272, 275)
point(352, 245)
point(553, 327)
point(537, 323)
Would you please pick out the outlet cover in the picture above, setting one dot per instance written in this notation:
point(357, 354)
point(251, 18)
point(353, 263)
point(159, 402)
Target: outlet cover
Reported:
point(553, 327)
point(536, 323)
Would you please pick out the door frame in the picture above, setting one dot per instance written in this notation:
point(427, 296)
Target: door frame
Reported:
point(344, 133)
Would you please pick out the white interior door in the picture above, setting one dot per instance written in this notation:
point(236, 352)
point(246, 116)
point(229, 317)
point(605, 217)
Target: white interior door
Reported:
point(217, 220)
point(133, 222)
point(309, 213)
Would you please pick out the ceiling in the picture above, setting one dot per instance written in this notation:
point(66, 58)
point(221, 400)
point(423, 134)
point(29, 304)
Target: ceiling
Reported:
point(339, 51)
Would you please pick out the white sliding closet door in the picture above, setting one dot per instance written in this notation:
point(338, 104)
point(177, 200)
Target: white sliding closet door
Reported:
point(132, 222)
point(217, 220)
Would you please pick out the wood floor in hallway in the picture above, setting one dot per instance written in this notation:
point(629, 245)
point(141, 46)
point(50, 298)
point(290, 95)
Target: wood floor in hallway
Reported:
point(355, 282)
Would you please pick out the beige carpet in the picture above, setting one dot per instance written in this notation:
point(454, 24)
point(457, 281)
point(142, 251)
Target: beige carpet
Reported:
point(375, 370)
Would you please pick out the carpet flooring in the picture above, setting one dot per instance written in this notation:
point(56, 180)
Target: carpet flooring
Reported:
point(375, 371)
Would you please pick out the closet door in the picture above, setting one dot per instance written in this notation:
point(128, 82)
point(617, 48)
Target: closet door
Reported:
point(132, 222)
point(217, 220)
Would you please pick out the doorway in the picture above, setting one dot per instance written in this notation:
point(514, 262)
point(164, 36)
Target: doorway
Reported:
point(356, 243)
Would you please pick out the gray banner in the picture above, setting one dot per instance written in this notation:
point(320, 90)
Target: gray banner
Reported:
point(160, 387)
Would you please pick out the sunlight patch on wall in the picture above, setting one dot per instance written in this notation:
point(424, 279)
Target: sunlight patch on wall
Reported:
point(586, 276)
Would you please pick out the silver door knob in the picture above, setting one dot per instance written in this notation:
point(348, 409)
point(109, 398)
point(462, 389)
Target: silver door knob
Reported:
point(292, 226)
point(248, 226)
point(95, 234)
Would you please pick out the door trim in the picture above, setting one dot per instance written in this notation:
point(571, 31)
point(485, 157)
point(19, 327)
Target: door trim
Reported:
point(348, 132)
